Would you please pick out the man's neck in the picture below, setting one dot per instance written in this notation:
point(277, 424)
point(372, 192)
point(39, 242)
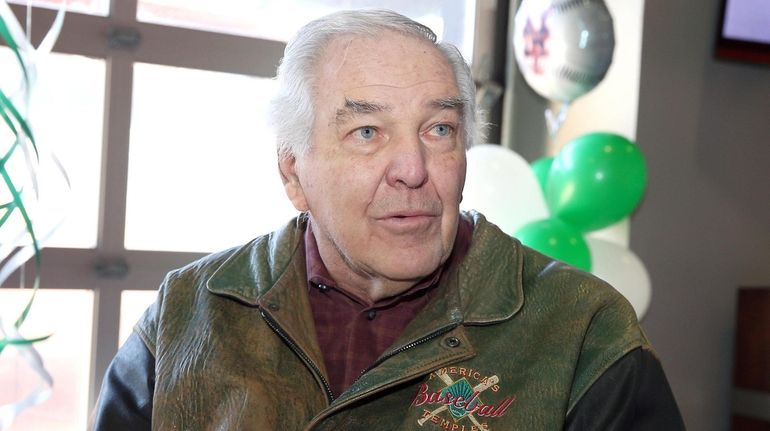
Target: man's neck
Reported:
point(370, 290)
point(329, 267)
point(356, 281)
point(326, 265)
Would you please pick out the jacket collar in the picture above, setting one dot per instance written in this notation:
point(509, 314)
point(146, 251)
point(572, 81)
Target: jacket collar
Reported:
point(486, 288)
point(490, 279)
point(253, 269)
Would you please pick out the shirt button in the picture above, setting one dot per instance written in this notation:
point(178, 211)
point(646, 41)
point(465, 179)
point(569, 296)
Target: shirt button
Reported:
point(371, 314)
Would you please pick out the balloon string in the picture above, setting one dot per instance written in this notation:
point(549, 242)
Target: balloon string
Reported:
point(554, 120)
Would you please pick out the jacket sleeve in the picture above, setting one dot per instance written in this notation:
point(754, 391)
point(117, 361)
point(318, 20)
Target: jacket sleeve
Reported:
point(632, 395)
point(125, 400)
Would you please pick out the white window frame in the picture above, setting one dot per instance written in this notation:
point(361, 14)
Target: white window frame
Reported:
point(101, 269)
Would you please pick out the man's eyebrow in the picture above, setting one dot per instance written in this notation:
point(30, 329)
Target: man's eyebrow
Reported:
point(358, 107)
point(448, 103)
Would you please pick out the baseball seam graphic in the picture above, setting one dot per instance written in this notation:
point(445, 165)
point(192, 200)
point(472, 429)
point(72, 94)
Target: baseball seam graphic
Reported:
point(579, 77)
point(570, 4)
point(570, 52)
point(567, 72)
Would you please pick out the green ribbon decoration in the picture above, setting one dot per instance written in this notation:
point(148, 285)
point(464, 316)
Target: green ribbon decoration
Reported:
point(13, 35)
point(20, 341)
point(11, 42)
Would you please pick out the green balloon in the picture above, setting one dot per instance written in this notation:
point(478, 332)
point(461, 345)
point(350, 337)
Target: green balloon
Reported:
point(558, 240)
point(541, 168)
point(596, 180)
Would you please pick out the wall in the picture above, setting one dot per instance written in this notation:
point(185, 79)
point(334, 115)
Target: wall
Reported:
point(704, 227)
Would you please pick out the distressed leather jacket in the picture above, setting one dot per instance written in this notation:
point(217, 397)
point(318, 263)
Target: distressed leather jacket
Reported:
point(512, 341)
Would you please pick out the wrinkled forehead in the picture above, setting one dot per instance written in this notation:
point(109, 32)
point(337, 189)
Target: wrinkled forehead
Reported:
point(387, 58)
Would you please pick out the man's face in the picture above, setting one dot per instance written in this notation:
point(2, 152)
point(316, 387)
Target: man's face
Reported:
point(384, 175)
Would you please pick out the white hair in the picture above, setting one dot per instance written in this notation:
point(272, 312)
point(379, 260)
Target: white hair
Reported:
point(292, 110)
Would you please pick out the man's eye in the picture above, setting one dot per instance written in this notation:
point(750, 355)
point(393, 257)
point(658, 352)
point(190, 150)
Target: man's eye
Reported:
point(366, 132)
point(442, 130)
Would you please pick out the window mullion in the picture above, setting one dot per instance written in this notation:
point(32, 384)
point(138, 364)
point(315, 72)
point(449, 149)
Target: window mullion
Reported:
point(106, 326)
point(117, 117)
point(123, 12)
point(196, 49)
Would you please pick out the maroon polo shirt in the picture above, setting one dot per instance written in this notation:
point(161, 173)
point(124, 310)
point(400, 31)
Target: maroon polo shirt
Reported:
point(353, 334)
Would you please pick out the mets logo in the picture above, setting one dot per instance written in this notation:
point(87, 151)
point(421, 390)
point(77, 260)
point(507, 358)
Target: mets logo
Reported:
point(459, 402)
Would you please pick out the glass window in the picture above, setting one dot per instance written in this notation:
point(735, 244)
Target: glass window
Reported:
point(66, 114)
point(91, 7)
point(132, 306)
point(203, 173)
point(67, 315)
point(280, 19)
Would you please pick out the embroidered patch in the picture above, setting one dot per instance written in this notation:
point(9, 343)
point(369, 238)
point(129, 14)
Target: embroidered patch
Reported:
point(460, 389)
point(457, 405)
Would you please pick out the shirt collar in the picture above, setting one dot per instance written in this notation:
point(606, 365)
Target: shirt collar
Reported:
point(486, 287)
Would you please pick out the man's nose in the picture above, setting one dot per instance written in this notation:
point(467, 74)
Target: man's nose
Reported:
point(408, 164)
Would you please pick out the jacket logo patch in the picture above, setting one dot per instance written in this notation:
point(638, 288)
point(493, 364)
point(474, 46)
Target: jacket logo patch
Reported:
point(459, 399)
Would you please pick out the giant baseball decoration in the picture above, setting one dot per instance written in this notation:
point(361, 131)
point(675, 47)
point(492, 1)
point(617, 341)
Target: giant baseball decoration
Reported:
point(563, 47)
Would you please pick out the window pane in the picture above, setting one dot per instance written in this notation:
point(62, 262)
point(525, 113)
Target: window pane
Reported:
point(132, 306)
point(67, 315)
point(91, 7)
point(202, 164)
point(66, 113)
point(280, 19)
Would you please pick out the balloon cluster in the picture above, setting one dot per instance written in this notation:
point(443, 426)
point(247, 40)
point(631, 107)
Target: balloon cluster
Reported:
point(556, 205)
point(595, 181)
point(563, 49)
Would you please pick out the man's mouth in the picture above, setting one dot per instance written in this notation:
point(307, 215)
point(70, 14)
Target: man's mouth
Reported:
point(409, 214)
point(405, 222)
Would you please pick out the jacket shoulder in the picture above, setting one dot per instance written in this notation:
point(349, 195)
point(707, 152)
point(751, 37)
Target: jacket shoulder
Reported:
point(604, 322)
point(608, 322)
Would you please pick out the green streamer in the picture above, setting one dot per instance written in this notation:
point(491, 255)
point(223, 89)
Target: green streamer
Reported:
point(20, 341)
point(6, 104)
point(6, 36)
point(8, 120)
point(7, 107)
point(9, 207)
point(17, 324)
point(19, 125)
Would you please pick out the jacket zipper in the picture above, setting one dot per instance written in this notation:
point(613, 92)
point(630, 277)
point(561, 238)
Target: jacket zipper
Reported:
point(293, 346)
point(411, 345)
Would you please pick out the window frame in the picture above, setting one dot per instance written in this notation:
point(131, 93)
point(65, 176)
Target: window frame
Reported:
point(109, 269)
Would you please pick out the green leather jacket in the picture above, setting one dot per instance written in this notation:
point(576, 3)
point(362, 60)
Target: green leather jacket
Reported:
point(512, 341)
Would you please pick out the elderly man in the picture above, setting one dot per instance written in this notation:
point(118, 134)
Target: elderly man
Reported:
point(382, 306)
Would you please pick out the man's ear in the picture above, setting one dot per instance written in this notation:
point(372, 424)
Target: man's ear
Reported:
point(287, 165)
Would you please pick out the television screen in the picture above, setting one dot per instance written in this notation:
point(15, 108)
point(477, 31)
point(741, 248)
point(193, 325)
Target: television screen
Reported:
point(744, 31)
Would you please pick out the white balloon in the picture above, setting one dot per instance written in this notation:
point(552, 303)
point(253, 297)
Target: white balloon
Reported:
point(617, 233)
point(621, 268)
point(501, 185)
point(563, 47)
